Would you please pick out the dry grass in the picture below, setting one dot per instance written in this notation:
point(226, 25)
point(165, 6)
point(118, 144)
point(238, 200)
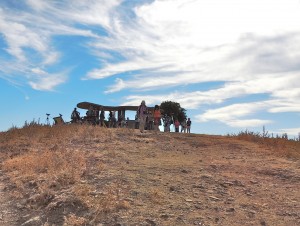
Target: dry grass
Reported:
point(86, 175)
point(41, 161)
point(279, 145)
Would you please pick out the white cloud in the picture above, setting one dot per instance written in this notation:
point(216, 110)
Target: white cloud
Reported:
point(251, 47)
point(38, 5)
point(235, 115)
point(247, 123)
point(46, 81)
point(179, 32)
point(291, 132)
point(34, 27)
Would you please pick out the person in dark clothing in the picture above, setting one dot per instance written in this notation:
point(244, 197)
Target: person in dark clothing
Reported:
point(188, 125)
point(102, 117)
point(75, 116)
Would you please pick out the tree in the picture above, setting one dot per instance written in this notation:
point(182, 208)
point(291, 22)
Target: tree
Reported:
point(173, 109)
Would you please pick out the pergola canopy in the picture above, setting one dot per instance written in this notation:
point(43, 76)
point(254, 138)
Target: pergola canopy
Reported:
point(87, 105)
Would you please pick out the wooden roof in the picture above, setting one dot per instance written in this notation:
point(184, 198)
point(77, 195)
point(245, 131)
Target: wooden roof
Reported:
point(86, 105)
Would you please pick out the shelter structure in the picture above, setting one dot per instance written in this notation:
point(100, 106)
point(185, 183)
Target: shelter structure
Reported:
point(120, 109)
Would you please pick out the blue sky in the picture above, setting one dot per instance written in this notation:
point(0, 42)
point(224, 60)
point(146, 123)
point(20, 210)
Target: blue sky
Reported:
point(234, 65)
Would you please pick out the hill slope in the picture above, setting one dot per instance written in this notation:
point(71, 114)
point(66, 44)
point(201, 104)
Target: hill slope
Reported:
point(82, 175)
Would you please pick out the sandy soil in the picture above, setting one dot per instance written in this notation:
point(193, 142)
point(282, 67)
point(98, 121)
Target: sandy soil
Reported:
point(171, 179)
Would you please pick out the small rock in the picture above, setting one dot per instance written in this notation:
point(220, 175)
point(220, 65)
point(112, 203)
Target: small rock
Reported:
point(217, 209)
point(199, 207)
point(151, 222)
point(164, 216)
point(238, 183)
point(129, 200)
point(214, 167)
point(252, 211)
point(32, 184)
point(184, 171)
point(214, 198)
point(19, 206)
point(134, 193)
point(263, 223)
point(172, 188)
point(206, 176)
point(230, 210)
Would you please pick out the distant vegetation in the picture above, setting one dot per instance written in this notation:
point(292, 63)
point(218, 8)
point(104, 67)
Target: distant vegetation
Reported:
point(279, 144)
point(173, 109)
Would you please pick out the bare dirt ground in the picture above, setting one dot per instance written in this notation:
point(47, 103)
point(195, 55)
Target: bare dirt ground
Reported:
point(154, 179)
point(8, 215)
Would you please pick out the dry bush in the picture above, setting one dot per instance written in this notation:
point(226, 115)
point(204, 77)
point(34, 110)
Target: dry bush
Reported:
point(64, 166)
point(279, 145)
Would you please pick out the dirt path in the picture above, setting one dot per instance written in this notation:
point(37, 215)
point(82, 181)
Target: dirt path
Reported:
point(8, 216)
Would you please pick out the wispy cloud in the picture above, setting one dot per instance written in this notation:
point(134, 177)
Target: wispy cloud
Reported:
point(28, 32)
point(251, 47)
point(291, 132)
point(235, 115)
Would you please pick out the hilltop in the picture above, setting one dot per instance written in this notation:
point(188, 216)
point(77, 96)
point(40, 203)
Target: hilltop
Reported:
point(86, 175)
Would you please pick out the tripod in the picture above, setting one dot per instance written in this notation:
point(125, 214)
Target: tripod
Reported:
point(47, 119)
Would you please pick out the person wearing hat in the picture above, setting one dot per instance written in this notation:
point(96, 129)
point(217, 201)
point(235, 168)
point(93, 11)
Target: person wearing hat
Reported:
point(142, 114)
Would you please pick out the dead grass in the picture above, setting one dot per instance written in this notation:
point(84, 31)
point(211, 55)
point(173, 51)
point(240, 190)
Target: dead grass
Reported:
point(281, 146)
point(43, 160)
point(55, 165)
point(86, 174)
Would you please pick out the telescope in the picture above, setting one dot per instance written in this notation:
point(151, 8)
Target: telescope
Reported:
point(47, 119)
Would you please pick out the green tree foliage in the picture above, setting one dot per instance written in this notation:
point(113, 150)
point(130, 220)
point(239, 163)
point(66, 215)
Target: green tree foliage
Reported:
point(173, 109)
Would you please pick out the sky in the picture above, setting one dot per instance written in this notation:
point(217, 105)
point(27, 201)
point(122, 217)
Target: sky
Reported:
point(233, 65)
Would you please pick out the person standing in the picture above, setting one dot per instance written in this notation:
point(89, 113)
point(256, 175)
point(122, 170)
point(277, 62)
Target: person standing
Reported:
point(142, 114)
point(156, 116)
point(112, 120)
point(176, 124)
point(183, 125)
point(188, 125)
point(136, 121)
point(75, 116)
point(102, 117)
point(167, 122)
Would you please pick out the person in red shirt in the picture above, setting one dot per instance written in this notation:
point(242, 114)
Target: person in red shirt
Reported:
point(157, 117)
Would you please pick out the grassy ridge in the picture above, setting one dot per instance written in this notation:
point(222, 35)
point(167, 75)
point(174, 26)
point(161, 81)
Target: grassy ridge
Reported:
point(52, 168)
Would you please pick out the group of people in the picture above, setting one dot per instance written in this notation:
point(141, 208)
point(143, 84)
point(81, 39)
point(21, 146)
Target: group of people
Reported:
point(167, 119)
point(96, 117)
point(114, 122)
point(144, 119)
